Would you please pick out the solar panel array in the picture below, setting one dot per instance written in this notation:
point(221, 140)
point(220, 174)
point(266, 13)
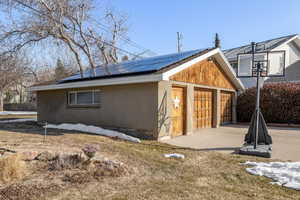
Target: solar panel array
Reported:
point(136, 66)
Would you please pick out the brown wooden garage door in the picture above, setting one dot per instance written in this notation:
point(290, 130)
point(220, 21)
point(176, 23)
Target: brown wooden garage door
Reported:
point(226, 107)
point(203, 108)
point(178, 111)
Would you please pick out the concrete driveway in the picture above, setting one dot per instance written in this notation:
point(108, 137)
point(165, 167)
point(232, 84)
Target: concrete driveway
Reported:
point(286, 141)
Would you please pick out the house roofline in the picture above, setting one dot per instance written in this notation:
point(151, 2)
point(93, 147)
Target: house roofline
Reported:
point(294, 36)
point(288, 41)
point(231, 72)
point(216, 52)
point(109, 76)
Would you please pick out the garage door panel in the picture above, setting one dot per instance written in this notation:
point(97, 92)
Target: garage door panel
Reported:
point(226, 107)
point(178, 111)
point(203, 108)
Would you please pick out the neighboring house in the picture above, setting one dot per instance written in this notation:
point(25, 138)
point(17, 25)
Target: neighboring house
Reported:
point(159, 97)
point(17, 94)
point(290, 44)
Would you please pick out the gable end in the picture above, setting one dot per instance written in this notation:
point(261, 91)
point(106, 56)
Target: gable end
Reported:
point(207, 72)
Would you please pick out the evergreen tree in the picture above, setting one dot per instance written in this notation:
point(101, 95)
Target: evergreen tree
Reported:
point(60, 70)
point(217, 41)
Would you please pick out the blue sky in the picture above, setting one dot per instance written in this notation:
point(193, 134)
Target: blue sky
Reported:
point(153, 24)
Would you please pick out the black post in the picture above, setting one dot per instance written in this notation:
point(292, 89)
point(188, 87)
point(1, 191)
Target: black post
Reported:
point(257, 140)
point(257, 104)
point(257, 93)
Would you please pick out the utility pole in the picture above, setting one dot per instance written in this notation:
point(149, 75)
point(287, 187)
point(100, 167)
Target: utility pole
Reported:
point(179, 42)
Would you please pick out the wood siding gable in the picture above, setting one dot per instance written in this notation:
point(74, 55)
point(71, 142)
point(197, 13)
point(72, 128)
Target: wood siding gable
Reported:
point(207, 72)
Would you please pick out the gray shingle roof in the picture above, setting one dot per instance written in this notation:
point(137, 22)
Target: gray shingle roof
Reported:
point(146, 65)
point(231, 54)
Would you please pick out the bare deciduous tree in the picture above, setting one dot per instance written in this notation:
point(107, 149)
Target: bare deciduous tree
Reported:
point(66, 21)
point(11, 72)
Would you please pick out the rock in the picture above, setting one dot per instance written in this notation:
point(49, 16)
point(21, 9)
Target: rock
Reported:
point(110, 168)
point(7, 150)
point(29, 155)
point(7, 154)
point(46, 156)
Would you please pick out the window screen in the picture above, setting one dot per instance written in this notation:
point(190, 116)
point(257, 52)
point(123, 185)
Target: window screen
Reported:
point(84, 97)
point(97, 97)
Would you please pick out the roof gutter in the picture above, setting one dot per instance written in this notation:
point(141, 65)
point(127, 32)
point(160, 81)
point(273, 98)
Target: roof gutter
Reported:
point(100, 82)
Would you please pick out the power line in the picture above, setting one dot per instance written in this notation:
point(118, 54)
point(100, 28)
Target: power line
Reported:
point(107, 43)
point(124, 38)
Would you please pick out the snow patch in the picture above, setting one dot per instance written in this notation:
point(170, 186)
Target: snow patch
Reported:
point(286, 174)
point(174, 155)
point(17, 113)
point(17, 120)
point(95, 130)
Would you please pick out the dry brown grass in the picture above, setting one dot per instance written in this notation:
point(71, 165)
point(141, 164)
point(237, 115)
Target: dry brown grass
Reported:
point(12, 168)
point(201, 175)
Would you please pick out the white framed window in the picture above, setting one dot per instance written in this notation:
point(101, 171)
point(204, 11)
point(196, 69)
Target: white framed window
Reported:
point(84, 97)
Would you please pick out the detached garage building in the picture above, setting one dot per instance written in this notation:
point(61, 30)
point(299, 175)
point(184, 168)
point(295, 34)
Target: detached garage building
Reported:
point(160, 97)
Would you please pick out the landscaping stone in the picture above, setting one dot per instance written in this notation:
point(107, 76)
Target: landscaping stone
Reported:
point(110, 168)
point(46, 156)
point(29, 155)
point(6, 154)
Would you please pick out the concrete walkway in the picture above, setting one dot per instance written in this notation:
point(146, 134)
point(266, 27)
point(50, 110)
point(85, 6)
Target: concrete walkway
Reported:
point(286, 141)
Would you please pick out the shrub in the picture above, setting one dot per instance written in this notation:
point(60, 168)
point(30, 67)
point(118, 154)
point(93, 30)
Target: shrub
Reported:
point(280, 103)
point(12, 168)
point(63, 162)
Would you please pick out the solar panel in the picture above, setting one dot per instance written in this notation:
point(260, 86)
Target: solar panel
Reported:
point(128, 67)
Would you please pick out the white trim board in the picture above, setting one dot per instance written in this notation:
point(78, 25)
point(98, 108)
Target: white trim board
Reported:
point(216, 53)
point(183, 66)
point(286, 42)
point(101, 82)
point(230, 72)
point(201, 86)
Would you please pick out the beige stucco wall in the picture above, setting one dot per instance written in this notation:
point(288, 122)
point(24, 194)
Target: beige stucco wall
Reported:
point(164, 111)
point(145, 107)
point(132, 106)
